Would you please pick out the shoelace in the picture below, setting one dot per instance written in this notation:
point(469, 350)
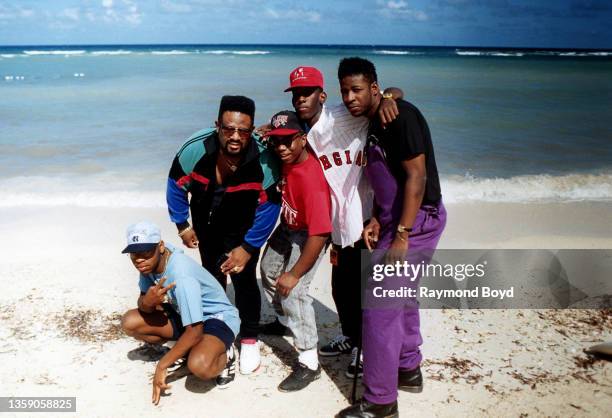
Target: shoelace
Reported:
point(354, 358)
point(339, 339)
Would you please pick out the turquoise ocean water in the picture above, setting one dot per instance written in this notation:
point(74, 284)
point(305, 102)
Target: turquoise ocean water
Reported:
point(99, 125)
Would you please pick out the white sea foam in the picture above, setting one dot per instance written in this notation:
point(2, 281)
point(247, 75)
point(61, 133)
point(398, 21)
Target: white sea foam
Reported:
point(489, 53)
point(114, 52)
point(469, 53)
point(110, 199)
point(94, 190)
point(232, 52)
point(58, 52)
point(529, 189)
point(533, 53)
point(391, 52)
point(507, 54)
point(114, 191)
point(8, 55)
point(173, 52)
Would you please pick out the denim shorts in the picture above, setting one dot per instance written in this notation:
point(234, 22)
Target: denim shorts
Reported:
point(212, 326)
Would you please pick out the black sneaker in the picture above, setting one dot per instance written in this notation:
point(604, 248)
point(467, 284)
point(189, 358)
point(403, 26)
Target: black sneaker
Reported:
point(274, 328)
point(300, 377)
point(365, 409)
point(228, 374)
point(410, 380)
point(339, 345)
point(352, 367)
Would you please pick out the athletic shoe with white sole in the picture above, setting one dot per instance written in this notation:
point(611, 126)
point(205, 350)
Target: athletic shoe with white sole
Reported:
point(350, 372)
point(228, 374)
point(250, 357)
point(300, 377)
point(339, 345)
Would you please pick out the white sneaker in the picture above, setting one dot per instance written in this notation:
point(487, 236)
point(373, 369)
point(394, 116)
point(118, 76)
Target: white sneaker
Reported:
point(250, 357)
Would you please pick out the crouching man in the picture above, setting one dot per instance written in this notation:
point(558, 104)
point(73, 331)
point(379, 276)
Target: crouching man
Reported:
point(179, 300)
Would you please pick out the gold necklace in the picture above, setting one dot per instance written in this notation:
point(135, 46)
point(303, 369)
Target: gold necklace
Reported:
point(166, 258)
point(232, 167)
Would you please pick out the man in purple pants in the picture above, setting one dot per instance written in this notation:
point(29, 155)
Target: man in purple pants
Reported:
point(408, 220)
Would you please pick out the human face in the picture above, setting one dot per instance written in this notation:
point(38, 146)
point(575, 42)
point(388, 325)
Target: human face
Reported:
point(358, 94)
point(289, 148)
point(234, 131)
point(147, 262)
point(308, 102)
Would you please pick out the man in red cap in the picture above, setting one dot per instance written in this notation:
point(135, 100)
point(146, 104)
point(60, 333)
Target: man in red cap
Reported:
point(297, 245)
point(338, 139)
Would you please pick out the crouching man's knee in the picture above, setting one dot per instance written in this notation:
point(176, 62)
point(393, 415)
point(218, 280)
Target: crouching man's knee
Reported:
point(201, 366)
point(130, 322)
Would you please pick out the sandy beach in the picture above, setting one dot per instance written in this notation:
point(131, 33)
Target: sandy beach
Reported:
point(66, 285)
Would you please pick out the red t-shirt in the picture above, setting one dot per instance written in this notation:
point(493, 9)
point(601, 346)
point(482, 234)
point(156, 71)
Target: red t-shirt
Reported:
point(306, 201)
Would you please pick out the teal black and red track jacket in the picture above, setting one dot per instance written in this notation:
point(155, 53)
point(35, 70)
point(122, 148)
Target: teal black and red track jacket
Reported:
point(243, 211)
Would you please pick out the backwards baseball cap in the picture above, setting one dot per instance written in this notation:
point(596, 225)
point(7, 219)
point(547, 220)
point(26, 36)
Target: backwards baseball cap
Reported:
point(284, 123)
point(142, 236)
point(305, 77)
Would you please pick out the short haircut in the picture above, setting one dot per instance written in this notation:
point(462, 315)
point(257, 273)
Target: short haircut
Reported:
point(357, 66)
point(240, 104)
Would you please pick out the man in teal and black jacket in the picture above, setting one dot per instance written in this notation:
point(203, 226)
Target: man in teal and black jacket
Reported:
point(232, 179)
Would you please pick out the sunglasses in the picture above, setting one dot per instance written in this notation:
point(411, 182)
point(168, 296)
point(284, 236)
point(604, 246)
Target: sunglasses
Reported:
point(229, 131)
point(277, 141)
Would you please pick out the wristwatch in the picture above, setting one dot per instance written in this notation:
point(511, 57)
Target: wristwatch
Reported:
point(387, 96)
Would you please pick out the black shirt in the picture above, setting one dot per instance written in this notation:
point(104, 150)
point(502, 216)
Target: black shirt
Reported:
point(404, 138)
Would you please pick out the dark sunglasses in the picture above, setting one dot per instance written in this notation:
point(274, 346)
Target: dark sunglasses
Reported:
point(277, 141)
point(228, 131)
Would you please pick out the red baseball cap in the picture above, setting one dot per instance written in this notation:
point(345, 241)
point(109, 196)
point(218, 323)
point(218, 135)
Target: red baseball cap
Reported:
point(305, 77)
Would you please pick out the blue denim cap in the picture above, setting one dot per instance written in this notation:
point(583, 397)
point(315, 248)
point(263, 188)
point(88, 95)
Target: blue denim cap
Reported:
point(142, 236)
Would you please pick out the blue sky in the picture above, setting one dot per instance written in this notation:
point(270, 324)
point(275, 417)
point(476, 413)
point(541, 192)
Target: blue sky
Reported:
point(561, 23)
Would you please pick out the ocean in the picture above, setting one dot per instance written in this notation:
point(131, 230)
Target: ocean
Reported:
point(99, 125)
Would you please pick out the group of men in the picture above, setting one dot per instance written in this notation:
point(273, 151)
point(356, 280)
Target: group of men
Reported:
point(361, 174)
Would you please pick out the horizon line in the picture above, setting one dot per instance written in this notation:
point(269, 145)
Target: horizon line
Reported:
point(302, 44)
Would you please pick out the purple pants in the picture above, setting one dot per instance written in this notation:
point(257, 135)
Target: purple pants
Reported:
point(392, 337)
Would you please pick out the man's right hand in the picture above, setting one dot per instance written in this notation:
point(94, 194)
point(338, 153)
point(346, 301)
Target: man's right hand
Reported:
point(190, 239)
point(370, 233)
point(156, 295)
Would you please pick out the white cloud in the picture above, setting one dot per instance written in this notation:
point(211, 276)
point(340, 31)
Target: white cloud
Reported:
point(297, 15)
point(174, 7)
point(400, 10)
point(10, 12)
point(123, 11)
point(71, 14)
point(397, 4)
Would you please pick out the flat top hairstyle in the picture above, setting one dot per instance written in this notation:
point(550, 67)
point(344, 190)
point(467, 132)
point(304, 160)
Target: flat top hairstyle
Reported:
point(240, 104)
point(357, 66)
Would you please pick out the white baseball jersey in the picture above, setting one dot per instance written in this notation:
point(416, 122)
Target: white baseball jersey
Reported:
point(338, 138)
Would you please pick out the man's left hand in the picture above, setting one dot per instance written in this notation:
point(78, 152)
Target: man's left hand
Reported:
point(285, 283)
point(159, 383)
point(236, 260)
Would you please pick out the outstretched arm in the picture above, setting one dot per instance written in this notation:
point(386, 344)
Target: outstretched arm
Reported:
point(189, 338)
